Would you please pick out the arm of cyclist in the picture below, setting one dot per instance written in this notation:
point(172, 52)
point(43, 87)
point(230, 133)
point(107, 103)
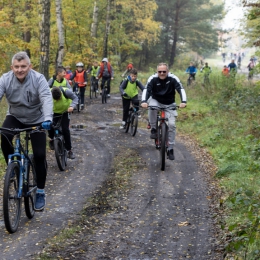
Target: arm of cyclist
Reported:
point(147, 92)
point(74, 99)
point(122, 88)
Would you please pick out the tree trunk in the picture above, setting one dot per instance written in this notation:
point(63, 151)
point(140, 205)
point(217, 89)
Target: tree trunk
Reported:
point(27, 34)
point(60, 27)
point(105, 47)
point(94, 25)
point(175, 34)
point(45, 37)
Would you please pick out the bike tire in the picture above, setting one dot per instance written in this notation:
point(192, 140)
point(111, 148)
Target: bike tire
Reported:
point(11, 204)
point(103, 96)
point(60, 153)
point(134, 124)
point(90, 91)
point(30, 186)
point(162, 145)
point(78, 105)
point(127, 123)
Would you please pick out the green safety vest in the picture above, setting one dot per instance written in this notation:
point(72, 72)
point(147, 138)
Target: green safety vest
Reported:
point(131, 89)
point(60, 106)
point(58, 84)
point(94, 71)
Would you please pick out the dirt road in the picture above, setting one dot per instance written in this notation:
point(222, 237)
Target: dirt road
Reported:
point(161, 215)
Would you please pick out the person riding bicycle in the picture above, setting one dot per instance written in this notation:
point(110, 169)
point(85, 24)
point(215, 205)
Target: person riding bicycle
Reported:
point(29, 104)
point(59, 79)
point(191, 70)
point(129, 67)
point(206, 70)
point(162, 87)
point(105, 72)
point(232, 68)
point(129, 92)
point(81, 79)
point(93, 72)
point(64, 101)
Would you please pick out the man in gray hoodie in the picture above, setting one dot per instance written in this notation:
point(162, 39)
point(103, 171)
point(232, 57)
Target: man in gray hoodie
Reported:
point(29, 104)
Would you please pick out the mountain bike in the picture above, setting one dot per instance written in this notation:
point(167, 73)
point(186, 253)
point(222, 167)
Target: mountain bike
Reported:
point(59, 145)
point(77, 92)
point(206, 81)
point(20, 179)
point(93, 88)
point(132, 120)
point(190, 79)
point(161, 141)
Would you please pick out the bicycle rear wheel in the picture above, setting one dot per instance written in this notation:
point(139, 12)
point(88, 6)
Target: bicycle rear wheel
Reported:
point(60, 153)
point(134, 124)
point(91, 91)
point(162, 145)
point(11, 203)
point(30, 189)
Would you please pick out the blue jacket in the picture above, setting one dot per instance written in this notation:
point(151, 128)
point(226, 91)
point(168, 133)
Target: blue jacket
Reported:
point(191, 69)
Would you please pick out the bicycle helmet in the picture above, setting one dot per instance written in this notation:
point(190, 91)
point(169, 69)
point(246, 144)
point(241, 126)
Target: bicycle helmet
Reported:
point(79, 64)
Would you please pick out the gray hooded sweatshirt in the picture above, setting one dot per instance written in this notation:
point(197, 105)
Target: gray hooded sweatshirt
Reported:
point(30, 101)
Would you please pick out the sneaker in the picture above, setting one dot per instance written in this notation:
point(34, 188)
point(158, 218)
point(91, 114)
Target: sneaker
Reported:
point(153, 134)
point(97, 90)
point(51, 144)
point(71, 155)
point(81, 106)
point(170, 154)
point(148, 126)
point(39, 202)
point(122, 126)
point(108, 95)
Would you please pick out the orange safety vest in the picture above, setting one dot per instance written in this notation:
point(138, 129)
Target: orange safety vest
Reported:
point(102, 69)
point(225, 71)
point(79, 78)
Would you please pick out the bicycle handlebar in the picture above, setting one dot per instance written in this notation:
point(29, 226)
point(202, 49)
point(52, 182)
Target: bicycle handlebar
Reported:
point(171, 107)
point(19, 130)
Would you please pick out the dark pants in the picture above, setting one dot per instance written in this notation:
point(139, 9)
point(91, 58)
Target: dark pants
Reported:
point(65, 123)
point(104, 80)
point(38, 141)
point(81, 92)
point(126, 105)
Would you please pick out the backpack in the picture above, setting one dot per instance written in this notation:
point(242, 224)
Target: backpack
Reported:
point(60, 87)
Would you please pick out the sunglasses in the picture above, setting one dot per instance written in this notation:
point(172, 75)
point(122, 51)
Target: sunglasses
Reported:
point(163, 71)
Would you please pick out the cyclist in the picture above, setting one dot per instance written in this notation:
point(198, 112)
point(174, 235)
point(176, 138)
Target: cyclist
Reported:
point(161, 87)
point(80, 79)
point(129, 67)
point(68, 74)
point(239, 59)
point(191, 70)
point(93, 72)
point(105, 72)
point(250, 67)
point(30, 104)
point(225, 71)
point(64, 101)
point(206, 70)
point(232, 68)
point(129, 92)
point(59, 78)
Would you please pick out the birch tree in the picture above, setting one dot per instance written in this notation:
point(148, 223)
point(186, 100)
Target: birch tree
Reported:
point(60, 27)
point(45, 37)
point(94, 25)
point(105, 45)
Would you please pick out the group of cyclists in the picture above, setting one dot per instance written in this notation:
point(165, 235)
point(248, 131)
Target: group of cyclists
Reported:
point(34, 101)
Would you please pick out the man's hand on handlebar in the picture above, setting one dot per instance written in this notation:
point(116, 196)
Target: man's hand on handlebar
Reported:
point(182, 105)
point(144, 105)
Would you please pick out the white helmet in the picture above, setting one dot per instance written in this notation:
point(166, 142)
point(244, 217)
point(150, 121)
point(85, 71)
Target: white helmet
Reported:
point(105, 59)
point(79, 64)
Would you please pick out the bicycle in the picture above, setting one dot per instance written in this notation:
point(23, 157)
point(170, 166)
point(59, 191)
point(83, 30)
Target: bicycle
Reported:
point(206, 81)
point(190, 79)
point(132, 120)
point(93, 88)
point(77, 92)
point(20, 180)
point(161, 141)
point(59, 145)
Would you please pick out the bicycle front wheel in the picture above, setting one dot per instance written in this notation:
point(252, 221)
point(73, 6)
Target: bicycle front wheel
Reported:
point(60, 153)
point(162, 145)
point(134, 124)
point(91, 91)
point(11, 202)
point(29, 188)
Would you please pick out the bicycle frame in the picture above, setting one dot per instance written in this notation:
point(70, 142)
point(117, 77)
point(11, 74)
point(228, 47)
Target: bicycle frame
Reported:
point(23, 162)
point(161, 119)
